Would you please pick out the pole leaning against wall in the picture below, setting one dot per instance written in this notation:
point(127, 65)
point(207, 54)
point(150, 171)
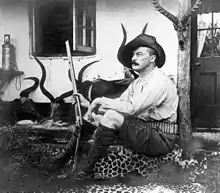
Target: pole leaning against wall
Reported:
point(183, 28)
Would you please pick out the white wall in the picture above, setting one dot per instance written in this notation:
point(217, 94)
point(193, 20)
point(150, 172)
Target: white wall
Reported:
point(134, 15)
point(110, 14)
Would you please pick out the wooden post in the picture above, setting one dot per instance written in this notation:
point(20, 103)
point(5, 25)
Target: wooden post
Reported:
point(184, 82)
point(182, 25)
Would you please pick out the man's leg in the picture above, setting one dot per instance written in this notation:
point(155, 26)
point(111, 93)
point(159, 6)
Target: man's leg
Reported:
point(142, 139)
point(105, 136)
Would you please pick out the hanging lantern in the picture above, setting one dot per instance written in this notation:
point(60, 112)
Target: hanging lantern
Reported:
point(8, 54)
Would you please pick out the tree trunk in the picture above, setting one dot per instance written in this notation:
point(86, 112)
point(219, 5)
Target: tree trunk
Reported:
point(183, 84)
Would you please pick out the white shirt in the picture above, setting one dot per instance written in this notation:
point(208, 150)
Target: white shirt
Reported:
point(153, 97)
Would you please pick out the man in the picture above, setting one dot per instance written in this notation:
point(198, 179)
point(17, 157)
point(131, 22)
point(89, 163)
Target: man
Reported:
point(145, 115)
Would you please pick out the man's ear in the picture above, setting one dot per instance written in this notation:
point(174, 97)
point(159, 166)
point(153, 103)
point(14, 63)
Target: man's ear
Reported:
point(153, 58)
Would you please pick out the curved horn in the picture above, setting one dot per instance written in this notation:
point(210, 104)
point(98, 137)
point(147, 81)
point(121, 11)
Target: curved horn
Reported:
point(122, 44)
point(42, 81)
point(189, 12)
point(144, 29)
point(164, 12)
point(26, 92)
point(64, 95)
point(70, 78)
point(80, 74)
point(69, 75)
point(124, 35)
point(69, 93)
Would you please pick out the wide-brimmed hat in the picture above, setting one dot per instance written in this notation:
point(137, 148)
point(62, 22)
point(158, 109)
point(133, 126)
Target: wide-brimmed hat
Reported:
point(125, 53)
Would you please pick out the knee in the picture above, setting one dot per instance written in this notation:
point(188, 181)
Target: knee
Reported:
point(112, 119)
point(105, 136)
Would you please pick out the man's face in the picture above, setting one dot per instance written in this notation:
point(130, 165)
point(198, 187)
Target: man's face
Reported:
point(142, 58)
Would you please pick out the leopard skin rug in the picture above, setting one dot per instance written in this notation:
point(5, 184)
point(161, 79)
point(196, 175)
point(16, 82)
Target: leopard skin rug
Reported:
point(122, 170)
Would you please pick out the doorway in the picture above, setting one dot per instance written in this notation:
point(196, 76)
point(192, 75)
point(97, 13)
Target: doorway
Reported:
point(205, 66)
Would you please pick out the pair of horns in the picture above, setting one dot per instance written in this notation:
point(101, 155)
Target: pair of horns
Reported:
point(173, 18)
point(125, 33)
point(125, 39)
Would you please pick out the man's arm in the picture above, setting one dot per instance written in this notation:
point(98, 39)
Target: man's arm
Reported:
point(144, 97)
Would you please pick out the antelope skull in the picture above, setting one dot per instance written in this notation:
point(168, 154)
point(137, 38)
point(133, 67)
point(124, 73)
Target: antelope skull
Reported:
point(181, 25)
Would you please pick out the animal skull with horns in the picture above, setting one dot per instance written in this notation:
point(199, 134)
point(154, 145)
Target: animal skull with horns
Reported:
point(180, 24)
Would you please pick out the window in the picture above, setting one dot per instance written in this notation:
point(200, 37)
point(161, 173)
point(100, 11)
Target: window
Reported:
point(52, 22)
point(208, 29)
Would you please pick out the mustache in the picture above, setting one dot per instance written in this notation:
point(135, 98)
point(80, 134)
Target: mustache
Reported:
point(135, 63)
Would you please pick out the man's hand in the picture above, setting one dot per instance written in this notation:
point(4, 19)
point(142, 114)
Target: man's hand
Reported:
point(83, 101)
point(93, 108)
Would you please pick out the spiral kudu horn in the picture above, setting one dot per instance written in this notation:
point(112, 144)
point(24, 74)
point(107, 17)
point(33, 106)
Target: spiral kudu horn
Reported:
point(164, 12)
point(26, 92)
point(180, 24)
point(144, 29)
point(42, 81)
point(190, 11)
point(123, 43)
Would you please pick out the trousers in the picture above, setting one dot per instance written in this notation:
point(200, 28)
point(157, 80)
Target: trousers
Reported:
point(138, 136)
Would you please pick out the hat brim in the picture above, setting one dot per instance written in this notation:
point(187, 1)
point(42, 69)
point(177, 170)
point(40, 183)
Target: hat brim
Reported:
point(125, 53)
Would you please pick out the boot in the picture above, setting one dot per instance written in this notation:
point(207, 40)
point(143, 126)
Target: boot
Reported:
point(104, 138)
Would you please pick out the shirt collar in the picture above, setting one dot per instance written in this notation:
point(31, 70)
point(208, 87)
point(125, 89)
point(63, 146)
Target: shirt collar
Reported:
point(146, 77)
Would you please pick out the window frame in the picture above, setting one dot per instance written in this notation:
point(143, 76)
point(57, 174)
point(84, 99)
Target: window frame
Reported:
point(77, 49)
